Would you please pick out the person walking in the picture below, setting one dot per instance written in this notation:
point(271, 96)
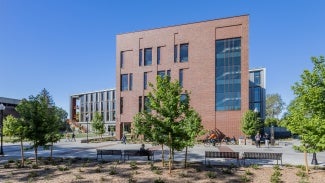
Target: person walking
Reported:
point(258, 140)
point(266, 136)
point(73, 136)
point(123, 139)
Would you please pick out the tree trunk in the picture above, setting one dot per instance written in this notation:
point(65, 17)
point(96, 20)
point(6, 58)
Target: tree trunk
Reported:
point(35, 151)
point(162, 155)
point(306, 162)
point(185, 162)
point(22, 153)
point(51, 151)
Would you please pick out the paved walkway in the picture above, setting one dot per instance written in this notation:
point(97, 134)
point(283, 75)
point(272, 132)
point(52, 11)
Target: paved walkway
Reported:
point(195, 154)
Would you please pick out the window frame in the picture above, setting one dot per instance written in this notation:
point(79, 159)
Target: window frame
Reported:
point(181, 53)
point(147, 61)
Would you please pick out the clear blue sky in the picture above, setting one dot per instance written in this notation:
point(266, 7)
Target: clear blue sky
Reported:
point(68, 46)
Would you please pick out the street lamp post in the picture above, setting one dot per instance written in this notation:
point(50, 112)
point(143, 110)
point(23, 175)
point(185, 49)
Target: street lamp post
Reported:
point(2, 108)
point(87, 116)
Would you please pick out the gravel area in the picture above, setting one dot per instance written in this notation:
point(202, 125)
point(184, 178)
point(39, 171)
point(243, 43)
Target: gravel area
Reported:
point(89, 170)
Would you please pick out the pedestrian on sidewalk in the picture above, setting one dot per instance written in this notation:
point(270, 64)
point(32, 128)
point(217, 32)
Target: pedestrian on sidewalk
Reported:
point(258, 140)
point(73, 136)
point(67, 137)
point(123, 139)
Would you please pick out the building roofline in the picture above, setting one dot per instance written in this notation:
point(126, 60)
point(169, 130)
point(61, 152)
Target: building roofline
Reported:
point(209, 20)
point(9, 100)
point(257, 69)
point(104, 90)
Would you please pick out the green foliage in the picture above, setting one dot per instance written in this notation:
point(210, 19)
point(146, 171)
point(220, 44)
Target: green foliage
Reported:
point(170, 121)
point(159, 180)
point(98, 124)
point(271, 122)
point(133, 165)
point(274, 105)
point(42, 119)
point(251, 123)
point(211, 175)
point(306, 113)
point(275, 177)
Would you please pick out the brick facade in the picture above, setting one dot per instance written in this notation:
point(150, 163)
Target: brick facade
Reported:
point(199, 70)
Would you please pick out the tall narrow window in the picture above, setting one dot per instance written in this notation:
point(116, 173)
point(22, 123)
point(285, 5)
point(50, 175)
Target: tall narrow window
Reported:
point(147, 56)
point(175, 53)
point(168, 74)
point(145, 80)
point(140, 57)
point(124, 82)
point(140, 103)
point(181, 77)
point(158, 55)
point(121, 105)
point(121, 59)
point(184, 52)
point(257, 78)
point(228, 74)
point(146, 104)
point(130, 81)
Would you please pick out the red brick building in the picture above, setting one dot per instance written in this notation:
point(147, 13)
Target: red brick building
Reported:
point(209, 58)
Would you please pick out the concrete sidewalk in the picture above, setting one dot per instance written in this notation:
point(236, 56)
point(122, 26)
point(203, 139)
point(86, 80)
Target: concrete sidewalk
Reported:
point(195, 154)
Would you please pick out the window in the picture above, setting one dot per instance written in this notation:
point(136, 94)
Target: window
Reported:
point(184, 52)
point(181, 77)
point(140, 103)
point(121, 105)
point(130, 81)
point(184, 99)
point(146, 104)
point(140, 57)
point(228, 74)
point(124, 82)
point(145, 80)
point(257, 78)
point(158, 55)
point(257, 94)
point(147, 56)
point(121, 59)
point(168, 73)
point(175, 53)
point(161, 73)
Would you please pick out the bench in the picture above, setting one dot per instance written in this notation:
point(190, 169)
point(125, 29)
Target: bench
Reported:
point(217, 154)
point(264, 155)
point(102, 152)
point(148, 153)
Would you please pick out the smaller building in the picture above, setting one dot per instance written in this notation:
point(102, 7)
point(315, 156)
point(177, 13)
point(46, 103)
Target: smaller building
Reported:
point(257, 86)
point(10, 105)
point(83, 107)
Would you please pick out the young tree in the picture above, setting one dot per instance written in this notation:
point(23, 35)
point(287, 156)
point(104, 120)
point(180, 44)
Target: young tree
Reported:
point(274, 105)
point(251, 123)
point(306, 113)
point(38, 113)
point(98, 124)
point(167, 121)
point(15, 127)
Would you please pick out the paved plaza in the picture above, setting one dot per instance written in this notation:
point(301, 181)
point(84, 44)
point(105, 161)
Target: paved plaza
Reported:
point(195, 154)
